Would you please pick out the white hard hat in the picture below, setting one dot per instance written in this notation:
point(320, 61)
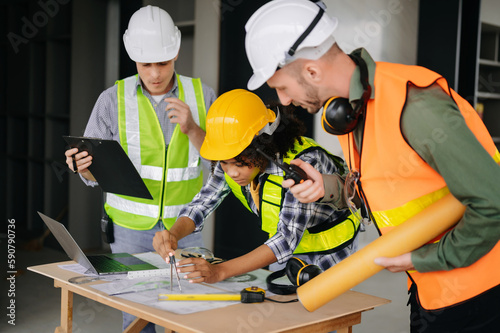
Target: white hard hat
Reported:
point(277, 26)
point(151, 36)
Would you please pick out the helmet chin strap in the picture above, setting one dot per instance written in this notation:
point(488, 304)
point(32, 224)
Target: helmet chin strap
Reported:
point(319, 3)
point(306, 32)
point(312, 53)
point(271, 127)
point(291, 55)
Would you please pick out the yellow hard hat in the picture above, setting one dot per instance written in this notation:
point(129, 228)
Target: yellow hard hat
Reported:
point(233, 120)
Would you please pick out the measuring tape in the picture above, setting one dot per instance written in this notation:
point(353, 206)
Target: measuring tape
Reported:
point(247, 295)
point(148, 273)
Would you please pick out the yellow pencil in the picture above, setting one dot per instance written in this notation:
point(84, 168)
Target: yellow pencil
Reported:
point(199, 297)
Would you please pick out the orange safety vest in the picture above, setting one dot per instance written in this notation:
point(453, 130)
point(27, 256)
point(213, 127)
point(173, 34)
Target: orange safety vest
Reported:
point(398, 184)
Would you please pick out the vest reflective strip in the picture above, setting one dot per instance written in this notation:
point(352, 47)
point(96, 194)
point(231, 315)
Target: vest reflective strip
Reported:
point(132, 207)
point(331, 238)
point(151, 172)
point(496, 157)
point(398, 215)
point(171, 212)
point(186, 88)
point(271, 205)
point(132, 133)
point(180, 174)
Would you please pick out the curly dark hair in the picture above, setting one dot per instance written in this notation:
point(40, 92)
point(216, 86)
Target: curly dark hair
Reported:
point(281, 141)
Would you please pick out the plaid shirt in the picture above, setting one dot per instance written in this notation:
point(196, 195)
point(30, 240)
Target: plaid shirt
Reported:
point(295, 217)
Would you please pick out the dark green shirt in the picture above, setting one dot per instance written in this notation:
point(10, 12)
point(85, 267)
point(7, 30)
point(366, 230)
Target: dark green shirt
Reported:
point(434, 127)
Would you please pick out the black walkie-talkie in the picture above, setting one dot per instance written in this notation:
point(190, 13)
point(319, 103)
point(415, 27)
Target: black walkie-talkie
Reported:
point(291, 171)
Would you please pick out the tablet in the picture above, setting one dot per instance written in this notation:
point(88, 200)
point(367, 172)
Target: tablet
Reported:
point(111, 166)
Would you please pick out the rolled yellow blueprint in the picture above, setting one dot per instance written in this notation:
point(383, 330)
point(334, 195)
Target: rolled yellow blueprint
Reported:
point(408, 236)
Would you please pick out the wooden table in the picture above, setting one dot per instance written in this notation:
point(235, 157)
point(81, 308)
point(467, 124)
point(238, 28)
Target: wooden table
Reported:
point(340, 314)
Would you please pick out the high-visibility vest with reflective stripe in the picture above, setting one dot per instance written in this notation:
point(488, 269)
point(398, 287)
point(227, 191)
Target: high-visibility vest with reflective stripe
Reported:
point(328, 237)
point(173, 176)
point(398, 183)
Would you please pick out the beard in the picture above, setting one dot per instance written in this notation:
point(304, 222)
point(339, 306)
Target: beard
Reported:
point(312, 102)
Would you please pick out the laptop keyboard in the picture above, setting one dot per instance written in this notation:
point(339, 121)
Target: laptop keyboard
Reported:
point(105, 264)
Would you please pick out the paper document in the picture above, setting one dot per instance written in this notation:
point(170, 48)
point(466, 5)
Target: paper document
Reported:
point(146, 290)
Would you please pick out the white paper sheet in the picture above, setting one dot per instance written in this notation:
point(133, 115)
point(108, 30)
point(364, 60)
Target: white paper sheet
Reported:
point(146, 291)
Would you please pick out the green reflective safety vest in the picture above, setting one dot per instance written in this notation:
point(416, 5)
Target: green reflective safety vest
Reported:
point(328, 237)
point(174, 175)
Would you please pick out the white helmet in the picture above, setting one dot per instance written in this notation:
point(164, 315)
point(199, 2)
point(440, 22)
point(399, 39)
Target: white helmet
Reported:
point(151, 36)
point(278, 33)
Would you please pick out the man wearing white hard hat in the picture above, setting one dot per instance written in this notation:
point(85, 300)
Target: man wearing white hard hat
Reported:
point(158, 116)
point(409, 140)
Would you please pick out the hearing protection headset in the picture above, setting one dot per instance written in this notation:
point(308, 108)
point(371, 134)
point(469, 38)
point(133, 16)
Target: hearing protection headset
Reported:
point(338, 116)
point(298, 273)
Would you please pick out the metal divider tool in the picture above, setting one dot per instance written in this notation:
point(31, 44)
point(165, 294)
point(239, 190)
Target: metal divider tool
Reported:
point(172, 266)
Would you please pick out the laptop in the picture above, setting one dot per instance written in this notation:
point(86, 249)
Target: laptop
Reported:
point(101, 264)
point(111, 166)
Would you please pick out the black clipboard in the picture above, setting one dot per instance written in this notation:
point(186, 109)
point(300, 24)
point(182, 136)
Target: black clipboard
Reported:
point(111, 167)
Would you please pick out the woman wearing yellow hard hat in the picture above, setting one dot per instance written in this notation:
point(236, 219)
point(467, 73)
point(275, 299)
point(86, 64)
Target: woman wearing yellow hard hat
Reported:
point(239, 127)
